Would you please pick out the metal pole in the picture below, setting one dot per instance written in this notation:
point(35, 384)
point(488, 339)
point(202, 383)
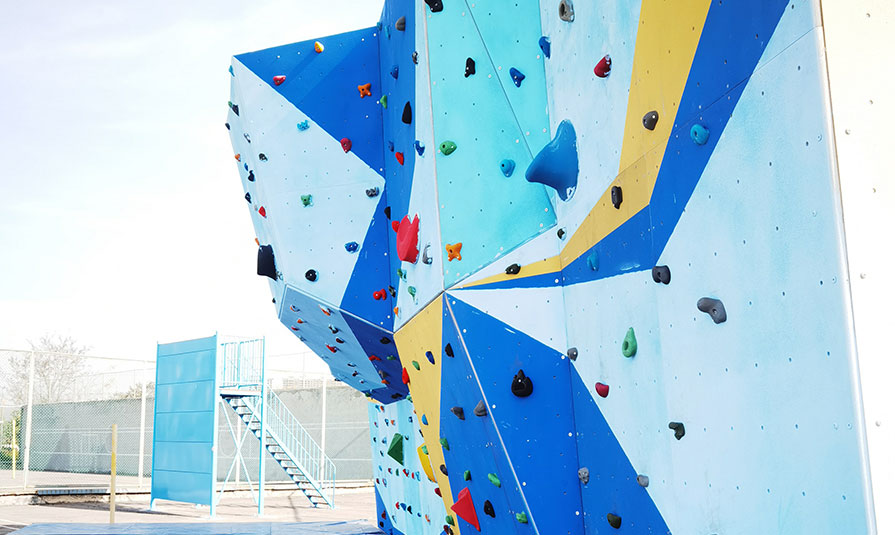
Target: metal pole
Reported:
point(262, 438)
point(322, 469)
point(142, 431)
point(14, 446)
point(27, 458)
point(112, 469)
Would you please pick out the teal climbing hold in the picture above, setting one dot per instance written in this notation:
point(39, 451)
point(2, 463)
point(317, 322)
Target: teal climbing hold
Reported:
point(467, 475)
point(307, 200)
point(444, 443)
point(507, 167)
point(494, 480)
point(556, 165)
point(447, 147)
point(302, 126)
point(415, 364)
point(699, 134)
point(522, 518)
point(629, 344)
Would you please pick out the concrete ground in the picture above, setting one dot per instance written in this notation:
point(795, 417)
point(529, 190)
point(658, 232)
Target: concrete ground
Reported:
point(279, 506)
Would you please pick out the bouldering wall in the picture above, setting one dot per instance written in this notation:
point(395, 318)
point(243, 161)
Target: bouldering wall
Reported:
point(588, 258)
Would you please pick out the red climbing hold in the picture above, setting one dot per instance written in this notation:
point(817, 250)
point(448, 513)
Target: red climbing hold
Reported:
point(379, 295)
point(277, 80)
point(262, 211)
point(602, 390)
point(346, 144)
point(438, 491)
point(408, 235)
point(465, 508)
point(374, 357)
point(404, 377)
point(400, 157)
point(603, 67)
point(331, 348)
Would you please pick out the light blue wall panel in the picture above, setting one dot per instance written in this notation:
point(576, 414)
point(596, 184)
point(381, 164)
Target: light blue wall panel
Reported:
point(184, 397)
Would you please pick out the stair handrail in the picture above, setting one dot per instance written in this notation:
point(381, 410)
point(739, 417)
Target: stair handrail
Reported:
point(242, 363)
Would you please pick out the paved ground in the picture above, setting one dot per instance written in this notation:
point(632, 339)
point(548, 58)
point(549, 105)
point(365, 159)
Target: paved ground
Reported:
point(10, 482)
point(280, 506)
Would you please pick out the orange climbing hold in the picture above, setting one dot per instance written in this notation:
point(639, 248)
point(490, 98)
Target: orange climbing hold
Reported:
point(238, 158)
point(364, 90)
point(465, 509)
point(318, 47)
point(453, 251)
point(277, 80)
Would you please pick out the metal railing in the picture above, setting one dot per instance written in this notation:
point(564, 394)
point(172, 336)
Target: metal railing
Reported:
point(242, 364)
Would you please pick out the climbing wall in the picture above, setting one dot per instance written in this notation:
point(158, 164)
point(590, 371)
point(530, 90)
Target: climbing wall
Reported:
point(588, 258)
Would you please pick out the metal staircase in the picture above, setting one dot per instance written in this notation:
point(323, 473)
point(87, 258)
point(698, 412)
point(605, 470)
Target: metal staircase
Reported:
point(242, 387)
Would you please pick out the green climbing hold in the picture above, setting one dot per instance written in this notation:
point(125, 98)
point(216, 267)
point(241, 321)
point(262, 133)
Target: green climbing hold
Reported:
point(447, 147)
point(629, 345)
point(412, 291)
point(494, 479)
point(425, 449)
point(402, 273)
point(307, 200)
point(415, 364)
point(522, 518)
point(384, 101)
point(396, 448)
point(444, 443)
point(467, 475)
point(449, 519)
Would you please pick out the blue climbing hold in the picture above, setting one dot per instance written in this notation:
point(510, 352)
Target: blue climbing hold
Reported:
point(699, 134)
point(508, 166)
point(231, 71)
point(391, 146)
point(517, 76)
point(304, 125)
point(557, 163)
point(394, 72)
point(420, 148)
point(424, 420)
point(544, 43)
point(351, 246)
point(593, 261)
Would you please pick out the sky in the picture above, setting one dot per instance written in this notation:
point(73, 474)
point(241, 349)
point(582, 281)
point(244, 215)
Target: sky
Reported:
point(122, 218)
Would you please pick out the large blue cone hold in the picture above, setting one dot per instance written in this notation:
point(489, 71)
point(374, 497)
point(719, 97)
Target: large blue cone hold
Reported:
point(557, 163)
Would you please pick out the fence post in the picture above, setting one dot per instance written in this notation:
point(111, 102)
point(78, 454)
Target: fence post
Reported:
point(112, 469)
point(27, 457)
point(262, 410)
point(142, 431)
point(321, 476)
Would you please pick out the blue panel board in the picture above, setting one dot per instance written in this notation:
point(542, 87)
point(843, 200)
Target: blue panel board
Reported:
point(380, 343)
point(325, 86)
point(537, 430)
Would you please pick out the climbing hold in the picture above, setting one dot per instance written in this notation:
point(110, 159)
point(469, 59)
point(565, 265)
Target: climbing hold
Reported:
point(494, 480)
point(248, 197)
point(458, 412)
point(642, 480)
point(385, 339)
point(387, 211)
point(231, 70)
point(262, 157)
point(465, 509)
point(561, 233)
point(408, 235)
point(394, 72)
point(373, 192)
point(400, 157)
point(238, 157)
point(629, 344)
point(251, 177)
point(470, 68)
point(415, 364)
point(302, 126)
point(678, 428)
point(424, 420)
point(699, 134)
point(513, 269)
point(332, 329)
point(507, 167)
point(435, 5)
point(453, 251)
point(556, 165)
point(311, 275)
point(444, 443)
point(488, 508)
point(650, 120)
point(247, 137)
point(391, 290)
point(443, 469)
point(572, 353)
point(602, 389)
point(521, 386)
point(584, 474)
point(415, 57)
point(346, 144)
point(307, 200)
point(227, 125)
point(522, 518)
point(277, 80)
point(407, 114)
point(449, 519)
point(467, 475)
point(566, 11)
point(603, 66)
point(396, 448)
point(480, 409)
point(447, 147)
point(614, 520)
point(423, 454)
point(383, 100)
point(616, 195)
point(391, 146)
point(448, 350)
point(405, 378)
point(426, 258)
point(400, 24)
point(517, 76)
point(364, 90)
point(266, 264)
point(430, 357)
point(714, 308)
point(544, 43)
point(351, 246)
point(420, 148)
point(318, 47)
point(661, 274)
point(234, 108)
point(380, 295)
point(412, 291)
point(593, 261)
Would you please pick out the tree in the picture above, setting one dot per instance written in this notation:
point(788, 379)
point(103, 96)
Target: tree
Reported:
point(135, 391)
point(57, 367)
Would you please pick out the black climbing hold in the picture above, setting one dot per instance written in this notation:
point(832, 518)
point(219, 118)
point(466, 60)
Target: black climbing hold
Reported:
point(513, 269)
point(266, 264)
point(678, 428)
point(435, 5)
point(388, 212)
point(248, 197)
point(488, 508)
point(391, 290)
point(566, 11)
point(311, 275)
point(614, 520)
point(480, 409)
point(407, 115)
point(470, 67)
point(616, 196)
point(373, 192)
point(227, 125)
point(339, 340)
point(400, 24)
point(458, 412)
point(262, 157)
point(521, 386)
point(584, 474)
point(572, 353)
point(448, 350)
point(385, 340)
point(642, 480)
point(443, 469)
point(235, 109)
point(561, 233)
point(251, 177)
point(333, 329)
point(650, 120)
point(415, 56)
point(661, 274)
point(714, 308)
